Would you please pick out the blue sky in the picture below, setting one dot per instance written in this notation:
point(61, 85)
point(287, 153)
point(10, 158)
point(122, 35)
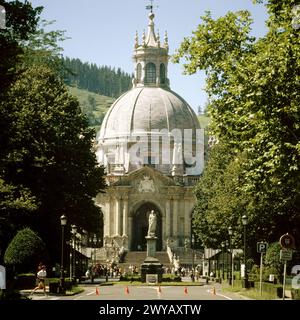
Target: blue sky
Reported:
point(102, 31)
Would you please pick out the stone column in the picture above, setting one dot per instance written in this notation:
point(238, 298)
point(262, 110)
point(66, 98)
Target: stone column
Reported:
point(143, 71)
point(187, 217)
point(129, 232)
point(175, 217)
point(163, 221)
point(125, 216)
point(168, 219)
point(107, 231)
point(117, 217)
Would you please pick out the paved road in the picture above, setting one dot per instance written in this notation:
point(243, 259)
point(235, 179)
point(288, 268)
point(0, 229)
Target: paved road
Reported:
point(120, 292)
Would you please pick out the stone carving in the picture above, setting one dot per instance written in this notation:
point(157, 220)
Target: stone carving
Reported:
point(177, 154)
point(152, 224)
point(146, 185)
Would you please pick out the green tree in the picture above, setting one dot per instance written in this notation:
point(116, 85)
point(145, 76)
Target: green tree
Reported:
point(49, 151)
point(16, 201)
point(25, 251)
point(16, 204)
point(272, 259)
point(102, 80)
point(21, 21)
point(254, 100)
point(220, 201)
point(42, 48)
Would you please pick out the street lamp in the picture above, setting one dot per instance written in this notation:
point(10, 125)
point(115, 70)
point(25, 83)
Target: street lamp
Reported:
point(63, 222)
point(193, 258)
point(95, 242)
point(245, 222)
point(73, 251)
point(230, 232)
point(223, 259)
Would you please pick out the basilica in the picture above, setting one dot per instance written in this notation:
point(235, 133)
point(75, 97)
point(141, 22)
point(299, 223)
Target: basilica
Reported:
point(152, 148)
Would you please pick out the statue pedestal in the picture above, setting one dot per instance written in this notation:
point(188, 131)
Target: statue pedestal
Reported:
point(151, 246)
point(151, 266)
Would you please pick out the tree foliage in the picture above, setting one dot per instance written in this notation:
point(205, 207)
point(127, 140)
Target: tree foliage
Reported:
point(47, 163)
point(272, 258)
point(25, 251)
point(103, 80)
point(254, 102)
point(21, 21)
point(49, 151)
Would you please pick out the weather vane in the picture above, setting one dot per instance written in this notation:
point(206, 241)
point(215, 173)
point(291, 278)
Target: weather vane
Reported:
point(150, 6)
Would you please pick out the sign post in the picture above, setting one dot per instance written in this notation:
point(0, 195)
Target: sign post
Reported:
point(287, 242)
point(261, 248)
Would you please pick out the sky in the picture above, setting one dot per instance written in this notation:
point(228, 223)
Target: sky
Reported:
point(103, 31)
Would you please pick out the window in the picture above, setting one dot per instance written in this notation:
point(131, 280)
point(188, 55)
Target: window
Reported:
point(150, 73)
point(162, 72)
point(139, 73)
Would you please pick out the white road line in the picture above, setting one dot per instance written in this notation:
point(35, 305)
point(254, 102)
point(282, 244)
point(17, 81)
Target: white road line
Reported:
point(90, 293)
point(55, 298)
point(222, 295)
point(219, 294)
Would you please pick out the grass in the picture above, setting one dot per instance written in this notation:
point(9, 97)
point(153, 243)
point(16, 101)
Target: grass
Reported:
point(254, 294)
point(74, 290)
point(102, 102)
point(250, 293)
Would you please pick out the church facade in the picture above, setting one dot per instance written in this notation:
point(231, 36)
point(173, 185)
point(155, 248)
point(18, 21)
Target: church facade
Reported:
point(152, 147)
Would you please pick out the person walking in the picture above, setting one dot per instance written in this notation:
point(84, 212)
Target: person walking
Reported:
point(41, 277)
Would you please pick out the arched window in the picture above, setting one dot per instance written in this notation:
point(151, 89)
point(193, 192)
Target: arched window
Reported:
point(162, 73)
point(150, 73)
point(139, 73)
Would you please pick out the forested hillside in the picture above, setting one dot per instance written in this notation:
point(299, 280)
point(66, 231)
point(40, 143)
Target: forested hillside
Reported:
point(93, 105)
point(102, 80)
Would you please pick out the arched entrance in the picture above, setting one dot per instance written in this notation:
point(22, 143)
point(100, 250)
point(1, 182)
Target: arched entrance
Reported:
point(140, 227)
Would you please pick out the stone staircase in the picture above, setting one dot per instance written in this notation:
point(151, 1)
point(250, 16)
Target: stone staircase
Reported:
point(186, 256)
point(137, 258)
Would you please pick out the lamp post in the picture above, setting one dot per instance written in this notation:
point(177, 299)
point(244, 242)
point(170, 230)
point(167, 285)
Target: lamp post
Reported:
point(245, 222)
point(95, 242)
point(223, 259)
point(73, 254)
point(230, 279)
point(63, 222)
point(226, 258)
point(193, 258)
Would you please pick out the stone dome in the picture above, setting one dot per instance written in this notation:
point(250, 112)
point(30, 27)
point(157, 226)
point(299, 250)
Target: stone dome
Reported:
point(146, 125)
point(147, 109)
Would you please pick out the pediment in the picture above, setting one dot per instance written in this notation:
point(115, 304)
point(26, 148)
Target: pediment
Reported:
point(146, 179)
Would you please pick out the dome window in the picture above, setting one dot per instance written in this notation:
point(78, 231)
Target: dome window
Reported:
point(150, 73)
point(162, 72)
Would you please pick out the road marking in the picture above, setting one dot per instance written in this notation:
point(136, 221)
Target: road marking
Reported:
point(55, 298)
point(90, 293)
point(222, 295)
point(219, 294)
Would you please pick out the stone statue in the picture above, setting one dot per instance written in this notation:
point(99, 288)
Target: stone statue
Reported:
point(152, 224)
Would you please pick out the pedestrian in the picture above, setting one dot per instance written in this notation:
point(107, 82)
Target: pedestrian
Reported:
point(41, 277)
point(88, 274)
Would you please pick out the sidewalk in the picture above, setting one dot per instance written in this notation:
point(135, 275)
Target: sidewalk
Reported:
point(40, 292)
